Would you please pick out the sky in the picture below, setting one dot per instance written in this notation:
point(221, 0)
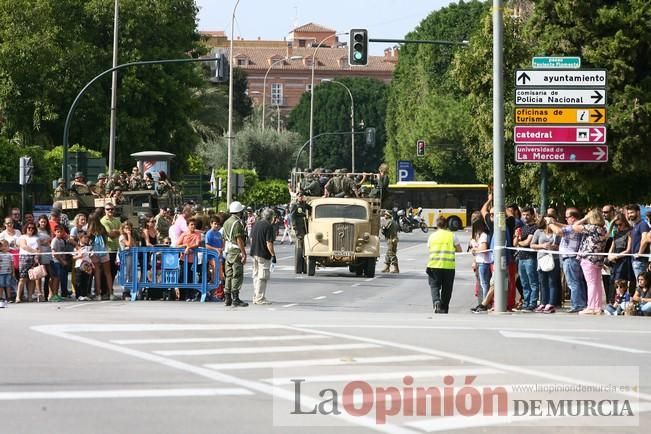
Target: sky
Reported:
point(274, 19)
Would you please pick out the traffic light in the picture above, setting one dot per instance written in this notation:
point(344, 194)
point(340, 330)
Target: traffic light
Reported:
point(25, 170)
point(420, 148)
point(369, 134)
point(358, 55)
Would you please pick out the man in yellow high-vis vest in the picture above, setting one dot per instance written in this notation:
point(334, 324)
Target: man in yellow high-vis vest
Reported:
point(442, 246)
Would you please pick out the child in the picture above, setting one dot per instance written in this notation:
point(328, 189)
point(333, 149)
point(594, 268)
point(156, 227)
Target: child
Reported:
point(59, 263)
point(83, 266)
point(127, 240)
point(6, 272)
point(622, 298)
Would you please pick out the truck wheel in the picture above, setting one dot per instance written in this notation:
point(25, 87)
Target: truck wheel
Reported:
point(299, 260)
point(370, 268)
point(311, 266)
point(454, 224)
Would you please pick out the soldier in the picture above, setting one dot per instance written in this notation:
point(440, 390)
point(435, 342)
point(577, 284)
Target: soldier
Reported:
point(116, 195)
point(312, 186)
point(100, 186)
point(333, 186)
point(390, 231)
point(79, 185)
point(113, 182)
point(299, 213)
point(235, 252)
point(135, 180)
point(60, 190)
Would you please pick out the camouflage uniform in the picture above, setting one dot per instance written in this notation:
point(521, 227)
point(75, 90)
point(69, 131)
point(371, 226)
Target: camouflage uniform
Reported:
point(390, 231)
point(60, 190)
point(234, 275)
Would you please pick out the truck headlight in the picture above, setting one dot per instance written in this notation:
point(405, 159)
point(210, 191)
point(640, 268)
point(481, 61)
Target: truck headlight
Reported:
point(366, 237)
point(319, 236)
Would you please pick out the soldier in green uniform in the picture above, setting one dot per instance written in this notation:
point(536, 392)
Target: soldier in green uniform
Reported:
point(390, 231)
point(235, 253)
point(100, 186)
point(79, 185)
point(60, 190)
point(313, 186)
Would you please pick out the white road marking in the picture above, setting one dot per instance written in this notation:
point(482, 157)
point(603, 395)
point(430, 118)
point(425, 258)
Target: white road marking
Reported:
point(92, 328)
point(260, 350)
point(318, 362)
point(356, 284)
point(388, 375)
point(228, 339)
point(124, 393)
point(370, 280)
point(278, 392)
point(337, 292)
point(82, 304)
point(290, 305)
point(570, 340)
point(321, 297)
point(474, 360)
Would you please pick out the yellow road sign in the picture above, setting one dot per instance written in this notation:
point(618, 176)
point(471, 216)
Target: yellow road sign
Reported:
point(557, 115)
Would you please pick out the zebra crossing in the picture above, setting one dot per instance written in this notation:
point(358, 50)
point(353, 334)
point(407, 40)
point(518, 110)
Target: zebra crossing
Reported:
point(273, 359)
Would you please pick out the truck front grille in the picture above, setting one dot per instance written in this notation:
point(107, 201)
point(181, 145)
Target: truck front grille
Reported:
point(343, 237)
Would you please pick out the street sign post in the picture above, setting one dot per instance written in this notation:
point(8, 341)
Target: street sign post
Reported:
point(560, 97)
point(555, 115)
point(560, 77)
point(556, 62)
point(560, 134)
point(561, 154)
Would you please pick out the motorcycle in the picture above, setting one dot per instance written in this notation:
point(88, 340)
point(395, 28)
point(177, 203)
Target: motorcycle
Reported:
point(409, 223)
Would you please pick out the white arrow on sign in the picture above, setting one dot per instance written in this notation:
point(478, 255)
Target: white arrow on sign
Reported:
point(597, 134)
point(599, 153)
point(570, 340)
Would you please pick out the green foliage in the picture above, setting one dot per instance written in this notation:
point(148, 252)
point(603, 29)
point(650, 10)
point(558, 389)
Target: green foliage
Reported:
point(266, 193)
point(269, 153)
point(332, 114)
point(425, 102)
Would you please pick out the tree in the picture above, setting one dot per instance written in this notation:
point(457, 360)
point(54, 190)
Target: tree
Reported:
point(615, 35)
point(332, 114)
point(269, 153)
point(425, 102)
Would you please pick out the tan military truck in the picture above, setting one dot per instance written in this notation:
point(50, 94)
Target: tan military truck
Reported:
point(343, 232)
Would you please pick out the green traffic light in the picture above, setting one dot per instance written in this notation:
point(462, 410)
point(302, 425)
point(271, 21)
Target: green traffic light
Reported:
point(358, 55)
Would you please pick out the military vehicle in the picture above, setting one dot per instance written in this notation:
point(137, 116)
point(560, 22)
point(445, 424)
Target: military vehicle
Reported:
point(343, 232)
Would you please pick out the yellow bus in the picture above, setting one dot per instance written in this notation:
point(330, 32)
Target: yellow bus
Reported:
point(455, 202)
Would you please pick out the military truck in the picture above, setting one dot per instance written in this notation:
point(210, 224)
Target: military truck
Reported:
point(133, 206)
point(342, 232)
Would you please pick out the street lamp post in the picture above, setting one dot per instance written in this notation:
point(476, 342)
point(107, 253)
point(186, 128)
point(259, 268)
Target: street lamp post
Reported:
point(278, 116)
point(352, 123)
point(264, 83)
point(312, 94)
point(229, 167)
point(114, 93)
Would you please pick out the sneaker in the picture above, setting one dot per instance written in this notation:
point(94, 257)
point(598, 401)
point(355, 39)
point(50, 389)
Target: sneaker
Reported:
point(587, 311)
point(3, 304)
point(479, 308)
point(56, 298)
point(115, 298)
point(575, 310)
point(437, 307)
point(261, 301)
point(528, 309)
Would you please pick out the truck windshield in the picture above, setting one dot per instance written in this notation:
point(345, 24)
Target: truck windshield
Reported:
point(340, 211)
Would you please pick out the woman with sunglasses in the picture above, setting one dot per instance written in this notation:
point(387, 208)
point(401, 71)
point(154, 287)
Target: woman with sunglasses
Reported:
point(621, 246)
point(45, 239)
point(29, 247)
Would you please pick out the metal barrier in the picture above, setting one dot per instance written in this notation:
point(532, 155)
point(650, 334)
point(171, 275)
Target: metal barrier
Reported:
point(164, 267)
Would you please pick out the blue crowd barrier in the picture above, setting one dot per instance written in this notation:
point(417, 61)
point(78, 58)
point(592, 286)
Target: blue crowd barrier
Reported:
point(164, 267)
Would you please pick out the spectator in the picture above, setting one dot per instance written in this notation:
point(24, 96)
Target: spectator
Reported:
point(100, 257)
point(189, 240)
point(215, 241)
point(621, 299)
point(593, 229)
point(15, 216)
point(482, 258)
point(10, 234)
point(29, 247)
point(550, 279)
point(59, 280)
point(527, 264)
point(263, 254)
point(569, 246)
point(642, 294)
point(45, 241)
point(638, 235)
point(80, 223)
point(83, 267)
point(250, 221)
point(127, 241)
point(618, 255)
point(163, 222)
point(6, 273)
point(112, 225)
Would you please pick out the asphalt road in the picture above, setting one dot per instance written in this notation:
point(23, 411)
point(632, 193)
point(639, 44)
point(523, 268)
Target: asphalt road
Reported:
point(177, 367)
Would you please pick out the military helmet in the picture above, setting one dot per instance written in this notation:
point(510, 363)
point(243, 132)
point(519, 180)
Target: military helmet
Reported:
point(61, 181)
point(101, 176)
point(235, 207)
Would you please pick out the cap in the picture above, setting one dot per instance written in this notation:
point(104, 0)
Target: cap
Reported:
point(79, 175)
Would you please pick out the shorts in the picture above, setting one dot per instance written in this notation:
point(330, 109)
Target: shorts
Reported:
point(100, 258)
point(5, 280)
point(25, 262)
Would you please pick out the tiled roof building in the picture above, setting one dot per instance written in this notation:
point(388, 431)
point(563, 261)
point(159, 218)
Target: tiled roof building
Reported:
point(288, 79)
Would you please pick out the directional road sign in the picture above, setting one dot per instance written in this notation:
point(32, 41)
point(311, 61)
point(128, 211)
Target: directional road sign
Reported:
point(558, 134)
point(554, 115)
point(560, 97)
point(555, 62)
point(560, 78)
point(561, 154)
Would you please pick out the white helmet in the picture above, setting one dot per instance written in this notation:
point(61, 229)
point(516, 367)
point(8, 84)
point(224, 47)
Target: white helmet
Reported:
point(401, 212)
point(235, 207)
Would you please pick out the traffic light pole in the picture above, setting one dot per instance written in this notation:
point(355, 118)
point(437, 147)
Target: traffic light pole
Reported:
point(66, 126)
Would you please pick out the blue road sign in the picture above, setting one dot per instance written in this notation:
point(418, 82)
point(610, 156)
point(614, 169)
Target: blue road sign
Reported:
point(404, 171)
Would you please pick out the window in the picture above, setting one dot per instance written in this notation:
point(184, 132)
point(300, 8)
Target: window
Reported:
point(308, 87)
point(241, 62)
point(301, 42)
point(340, 211)
point(276, 94)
